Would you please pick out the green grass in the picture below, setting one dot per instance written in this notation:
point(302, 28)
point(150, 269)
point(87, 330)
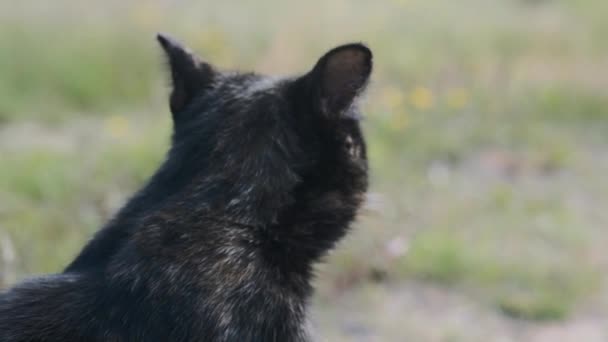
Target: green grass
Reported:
point(55, 198)
point(86, 71)
point(484, 121)
point(520, 287)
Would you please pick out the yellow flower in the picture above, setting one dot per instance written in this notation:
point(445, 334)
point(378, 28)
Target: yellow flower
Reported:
point(214, 42)
point(401, 2)
point(421, 98)
point(146, 15)
point(400, 121)
point(117, 126)
point(393, 98)
point(458, 98)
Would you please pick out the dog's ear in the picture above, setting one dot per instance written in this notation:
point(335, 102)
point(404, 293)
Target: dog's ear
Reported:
point(189, 75)
point(338, 77)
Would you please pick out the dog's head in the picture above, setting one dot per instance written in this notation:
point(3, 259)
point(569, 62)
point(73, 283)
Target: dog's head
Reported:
point(254, 146)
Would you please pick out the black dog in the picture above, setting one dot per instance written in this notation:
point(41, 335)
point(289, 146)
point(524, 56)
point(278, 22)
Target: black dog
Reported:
point(263, 177)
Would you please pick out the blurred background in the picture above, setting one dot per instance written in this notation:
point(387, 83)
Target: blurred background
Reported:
point(487, 125)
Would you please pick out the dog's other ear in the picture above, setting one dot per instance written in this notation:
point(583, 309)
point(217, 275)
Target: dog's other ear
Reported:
point(189, 74)
point(339, 76)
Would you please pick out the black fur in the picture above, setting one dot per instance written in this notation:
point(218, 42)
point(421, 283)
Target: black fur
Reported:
point(263, 177)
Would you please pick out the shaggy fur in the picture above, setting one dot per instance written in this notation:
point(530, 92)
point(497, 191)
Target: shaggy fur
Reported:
point(263, 177)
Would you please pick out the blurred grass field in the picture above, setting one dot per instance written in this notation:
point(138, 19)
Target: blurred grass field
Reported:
point(487, 123)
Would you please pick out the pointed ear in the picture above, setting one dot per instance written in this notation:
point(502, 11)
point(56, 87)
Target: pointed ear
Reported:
point(189, 74)
point(339, 76)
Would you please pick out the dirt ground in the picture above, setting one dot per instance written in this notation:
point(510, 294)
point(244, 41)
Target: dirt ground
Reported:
point(417, 311)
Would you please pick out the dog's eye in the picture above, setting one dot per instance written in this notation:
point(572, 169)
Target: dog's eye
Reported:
point(350, 147)
point(348, 143)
